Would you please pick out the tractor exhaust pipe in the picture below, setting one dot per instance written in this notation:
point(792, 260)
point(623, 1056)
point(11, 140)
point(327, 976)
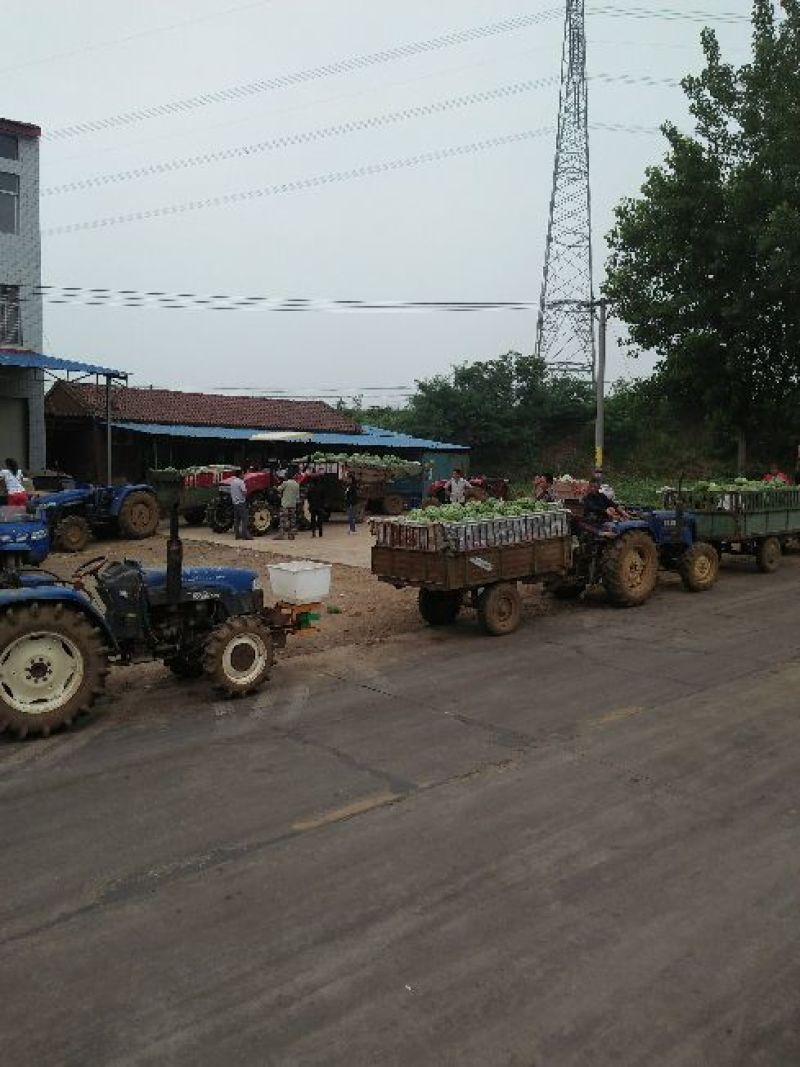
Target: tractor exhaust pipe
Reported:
point(174, 558)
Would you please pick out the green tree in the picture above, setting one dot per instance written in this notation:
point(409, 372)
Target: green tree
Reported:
point(503, 408)
point(705, 264)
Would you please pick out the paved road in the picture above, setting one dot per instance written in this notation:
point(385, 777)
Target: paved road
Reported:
point(574, 846)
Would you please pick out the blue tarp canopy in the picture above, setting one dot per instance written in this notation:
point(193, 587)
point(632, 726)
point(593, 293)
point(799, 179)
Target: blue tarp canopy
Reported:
point(16, 357)
point(372, 437)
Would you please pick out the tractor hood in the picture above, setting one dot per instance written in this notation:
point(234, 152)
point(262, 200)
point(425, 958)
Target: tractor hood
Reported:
point(232, 579)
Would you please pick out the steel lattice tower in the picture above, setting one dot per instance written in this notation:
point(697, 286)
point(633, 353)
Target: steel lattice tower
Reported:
point(565, 333)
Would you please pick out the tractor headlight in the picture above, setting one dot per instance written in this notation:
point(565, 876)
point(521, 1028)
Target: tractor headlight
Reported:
point(257, 587)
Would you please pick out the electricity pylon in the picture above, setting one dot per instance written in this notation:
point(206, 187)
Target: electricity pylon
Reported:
point(565, 331)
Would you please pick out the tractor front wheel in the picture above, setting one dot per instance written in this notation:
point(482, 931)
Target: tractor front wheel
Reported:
point(439, 608)
point(630, 569)
point(139, 515)
point(53, 664)
point(699, 567)
point(239, 655)
point(499, 609)
point(768, 555)
point(259, 518)
point(72, 534)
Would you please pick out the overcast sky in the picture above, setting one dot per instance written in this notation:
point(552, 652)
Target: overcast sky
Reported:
point(469, 227)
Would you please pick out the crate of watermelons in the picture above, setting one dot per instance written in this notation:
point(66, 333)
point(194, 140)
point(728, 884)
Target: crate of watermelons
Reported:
point(462, 529)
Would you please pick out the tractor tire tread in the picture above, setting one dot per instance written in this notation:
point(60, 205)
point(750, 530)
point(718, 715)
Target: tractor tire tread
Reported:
point(618, 590)
point(75, 625)
point(215, 646)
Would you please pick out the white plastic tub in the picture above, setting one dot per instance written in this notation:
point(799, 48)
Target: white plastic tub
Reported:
point(300, 581)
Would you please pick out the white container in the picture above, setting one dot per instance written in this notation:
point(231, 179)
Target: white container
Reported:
point(300, 581)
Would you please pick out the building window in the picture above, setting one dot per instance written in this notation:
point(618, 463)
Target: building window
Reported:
point(9, 146)
point(9, 203)
point(10, 317)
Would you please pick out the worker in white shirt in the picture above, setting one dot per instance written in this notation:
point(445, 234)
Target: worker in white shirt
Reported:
point(11, 477)
point(457, 487)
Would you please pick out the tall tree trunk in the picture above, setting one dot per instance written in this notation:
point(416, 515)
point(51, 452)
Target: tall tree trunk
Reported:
point(741, 451)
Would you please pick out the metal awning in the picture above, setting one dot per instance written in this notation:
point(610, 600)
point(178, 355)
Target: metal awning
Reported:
point(370, 437)
point(19, 357)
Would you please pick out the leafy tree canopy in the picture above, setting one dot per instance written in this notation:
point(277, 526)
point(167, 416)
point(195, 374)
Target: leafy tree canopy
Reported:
point(705, 263)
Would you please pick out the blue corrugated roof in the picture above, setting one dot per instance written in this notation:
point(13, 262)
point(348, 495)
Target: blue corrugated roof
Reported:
point(372, 437)
point(15, 357)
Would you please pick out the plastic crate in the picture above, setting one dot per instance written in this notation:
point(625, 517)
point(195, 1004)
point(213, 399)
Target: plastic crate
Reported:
point(300, 581)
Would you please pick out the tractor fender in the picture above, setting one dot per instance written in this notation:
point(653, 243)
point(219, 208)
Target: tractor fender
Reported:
point(121, 494)
point(58, 594)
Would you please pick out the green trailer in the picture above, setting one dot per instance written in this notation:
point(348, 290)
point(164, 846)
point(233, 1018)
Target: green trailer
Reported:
point(745, 522)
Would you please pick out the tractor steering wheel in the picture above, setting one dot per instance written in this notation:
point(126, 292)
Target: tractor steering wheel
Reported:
point(91, 567)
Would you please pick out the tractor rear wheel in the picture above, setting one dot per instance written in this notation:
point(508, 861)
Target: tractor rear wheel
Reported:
point(53, 664)
point(139, 515)
point(439, 608)
point(500, 609)
point(630, 568)
point(239, 655)
point(72, 534)
point(699, 567)
point(768, 555)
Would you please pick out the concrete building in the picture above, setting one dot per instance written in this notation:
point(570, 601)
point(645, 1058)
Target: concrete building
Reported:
point(22, 431)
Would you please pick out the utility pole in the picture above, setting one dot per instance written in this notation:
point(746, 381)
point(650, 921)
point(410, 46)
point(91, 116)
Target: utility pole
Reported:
point(565, 329)
point(600, 387)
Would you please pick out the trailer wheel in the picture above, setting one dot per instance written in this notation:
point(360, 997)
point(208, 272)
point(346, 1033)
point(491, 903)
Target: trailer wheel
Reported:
point(139, 515)
point(53, 664)
point(239, 655)
point(499, 609)
point(768, 555)
point(72, 534)
point(630, 569)
point(439, 608)
point(699, 567)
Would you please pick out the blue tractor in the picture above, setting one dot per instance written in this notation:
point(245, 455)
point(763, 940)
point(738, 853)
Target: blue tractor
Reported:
point(75, 514)
point(625, 556)
point(58, 638)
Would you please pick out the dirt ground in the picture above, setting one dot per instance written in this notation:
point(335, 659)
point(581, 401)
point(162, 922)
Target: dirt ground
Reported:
point(359, 611)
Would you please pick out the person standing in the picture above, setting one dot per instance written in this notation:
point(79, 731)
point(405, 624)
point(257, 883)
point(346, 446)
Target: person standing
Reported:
point(315, 496)
point(238, 489)
point(457, 488)
point(351, 501)
point(290, 498)
point(16, 497)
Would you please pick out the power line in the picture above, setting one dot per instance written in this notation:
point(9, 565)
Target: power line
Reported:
point(55, 57)
point(298, 185)
point(284, 81)
point(356, 63)
point(332, 178)
point(157, 299)
point(342, 129)
point(291, 140)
